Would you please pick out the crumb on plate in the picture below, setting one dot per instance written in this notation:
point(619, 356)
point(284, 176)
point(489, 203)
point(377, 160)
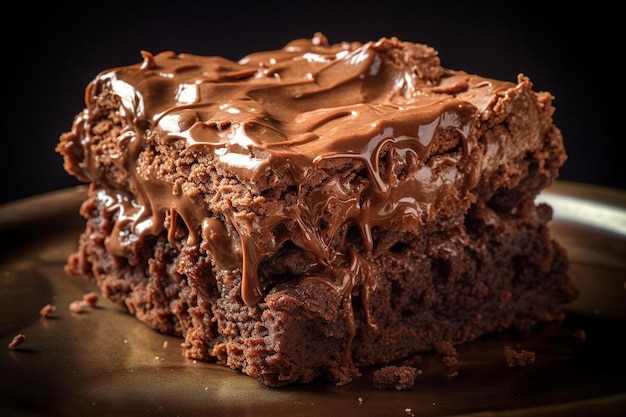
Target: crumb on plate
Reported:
point(518, 357)
point(47, 310)
point(17, 341)
point(396, 377)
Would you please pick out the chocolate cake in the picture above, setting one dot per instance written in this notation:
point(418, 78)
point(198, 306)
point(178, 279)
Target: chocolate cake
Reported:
point(311, 210)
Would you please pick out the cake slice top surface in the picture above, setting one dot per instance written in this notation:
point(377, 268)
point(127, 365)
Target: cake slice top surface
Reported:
point(290, 108)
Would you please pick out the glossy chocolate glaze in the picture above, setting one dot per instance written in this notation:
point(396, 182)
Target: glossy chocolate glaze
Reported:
point(283, 115)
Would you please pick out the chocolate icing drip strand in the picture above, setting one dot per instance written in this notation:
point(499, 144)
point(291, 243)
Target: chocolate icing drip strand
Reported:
point(343, 280)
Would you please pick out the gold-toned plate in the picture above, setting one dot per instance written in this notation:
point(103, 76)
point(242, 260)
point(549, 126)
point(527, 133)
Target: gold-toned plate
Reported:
point(104, 362)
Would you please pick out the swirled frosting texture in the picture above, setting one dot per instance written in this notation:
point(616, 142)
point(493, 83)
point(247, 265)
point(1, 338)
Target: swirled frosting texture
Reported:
point(386, 109)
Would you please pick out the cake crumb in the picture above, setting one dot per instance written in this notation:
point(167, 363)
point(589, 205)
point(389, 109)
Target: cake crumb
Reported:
point(360, 400)
point(396, 377)
point(91, 298)
point(518, 357)
point(409, 411)
point(17, 341)
point(47, 310)
point(79, 306)
point(165, 344)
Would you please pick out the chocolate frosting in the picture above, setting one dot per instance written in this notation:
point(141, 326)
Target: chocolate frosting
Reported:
point(284, 114)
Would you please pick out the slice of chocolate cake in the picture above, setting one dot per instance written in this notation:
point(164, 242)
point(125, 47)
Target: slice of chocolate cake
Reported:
point(313, 209)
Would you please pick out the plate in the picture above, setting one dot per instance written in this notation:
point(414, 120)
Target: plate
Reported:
point(104, 362)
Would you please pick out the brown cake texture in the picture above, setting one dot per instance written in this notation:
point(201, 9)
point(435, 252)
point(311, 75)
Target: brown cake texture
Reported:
point(515, 356)
point(400, 378)
point(307, 211)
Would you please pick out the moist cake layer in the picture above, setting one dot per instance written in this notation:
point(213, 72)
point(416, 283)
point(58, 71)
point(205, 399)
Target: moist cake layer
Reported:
point(308, 210)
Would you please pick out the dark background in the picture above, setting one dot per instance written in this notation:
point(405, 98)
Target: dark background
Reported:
point(52, 51)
